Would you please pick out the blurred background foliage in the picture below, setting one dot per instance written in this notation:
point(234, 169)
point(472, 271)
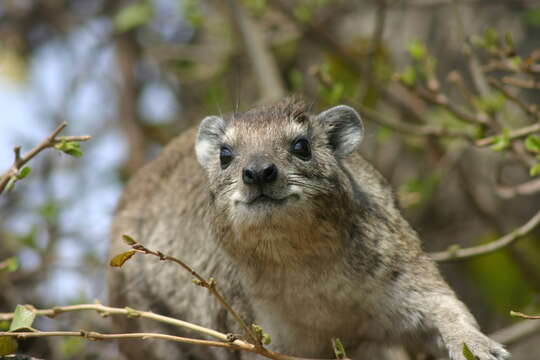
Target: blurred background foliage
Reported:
point(432, 79)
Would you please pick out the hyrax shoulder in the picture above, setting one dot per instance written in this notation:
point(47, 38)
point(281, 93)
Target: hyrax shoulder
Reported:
point(302, 234)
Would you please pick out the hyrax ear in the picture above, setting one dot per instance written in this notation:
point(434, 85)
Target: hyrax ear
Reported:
point(343, 127)
point(208, 140)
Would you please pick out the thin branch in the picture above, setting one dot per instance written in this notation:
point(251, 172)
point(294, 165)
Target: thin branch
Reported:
point(456, 254)
point(201, 281)
point(525, 84)
point(93, 335)
point(227, 341)
point(532, 110)
point(108, 310)
point(19, 161)
point(514, 134)
point(527, 188)
point(524, 316)
point(411, 129)
point(443, 101)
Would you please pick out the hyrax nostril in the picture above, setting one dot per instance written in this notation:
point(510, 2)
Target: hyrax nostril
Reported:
point(259, 174)
point(269, 173)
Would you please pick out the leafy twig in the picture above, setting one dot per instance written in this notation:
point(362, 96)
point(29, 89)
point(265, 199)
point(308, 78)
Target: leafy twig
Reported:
point(514, 134)
point(201, 281)
point(13, 173)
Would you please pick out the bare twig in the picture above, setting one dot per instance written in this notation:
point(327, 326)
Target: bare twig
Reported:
point(456, 254)
point(443, 101)
point(201, 281)
point(514, 134)
point(50, 141)
point(225, 342)
point(92, 335)
point(525, 84)
point(524, 316)
point(532, 110)
point(411, 129)
point(527, 188)
point(108, 310)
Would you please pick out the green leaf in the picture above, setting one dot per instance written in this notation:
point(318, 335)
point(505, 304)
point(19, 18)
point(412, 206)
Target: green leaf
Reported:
point(303, 13)
point(128, 240)
point(11, 183)
point(266, 339)
point(535, 170)
point(408, 76)
point(468, 353)
point(417, 50)
point(72, 148)
point(502, 141)
point(8, 345)
point(24, 172)
point(491, 39)
point(532, 143)
point(9, 265)
point(339, 349)
point(508, 39)
point(22, 318)
point(133, 16)
point(120, 259)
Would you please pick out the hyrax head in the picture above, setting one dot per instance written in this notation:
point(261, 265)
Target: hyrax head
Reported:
point(276, 162)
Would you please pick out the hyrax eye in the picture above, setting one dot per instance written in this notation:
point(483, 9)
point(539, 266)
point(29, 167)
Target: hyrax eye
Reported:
point(225, 156)
point(301, 149)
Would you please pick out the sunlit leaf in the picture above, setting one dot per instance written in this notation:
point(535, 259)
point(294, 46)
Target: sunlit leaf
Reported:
point(468, 353)
point(128, 240)
point(502, 141)
point(72, 148)
point(417, 50)
point(408, 76)
point(120, 259)
point(339, 349)
point(535, 169)
point(24, 172)
point(22, 318)
point(10, 264)
point(532, 143)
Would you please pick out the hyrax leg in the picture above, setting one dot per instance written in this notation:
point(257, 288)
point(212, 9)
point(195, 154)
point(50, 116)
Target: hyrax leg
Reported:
point(432, 310)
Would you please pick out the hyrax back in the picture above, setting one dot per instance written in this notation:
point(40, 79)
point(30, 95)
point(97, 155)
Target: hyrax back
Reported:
point(301, 233)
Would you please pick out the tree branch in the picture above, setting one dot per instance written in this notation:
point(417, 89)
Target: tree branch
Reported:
point(514, 134)
point(19, 161)
point(201, 281)
point(455, 254)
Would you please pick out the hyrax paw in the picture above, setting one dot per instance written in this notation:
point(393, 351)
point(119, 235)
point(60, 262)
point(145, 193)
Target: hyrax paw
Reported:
point(481, 347)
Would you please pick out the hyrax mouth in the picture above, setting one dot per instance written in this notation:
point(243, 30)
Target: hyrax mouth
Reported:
point(263, 199)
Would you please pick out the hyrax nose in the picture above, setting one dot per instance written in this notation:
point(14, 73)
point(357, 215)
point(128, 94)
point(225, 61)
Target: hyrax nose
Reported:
point(259, 173)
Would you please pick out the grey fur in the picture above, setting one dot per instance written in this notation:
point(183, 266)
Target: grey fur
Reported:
point(333, 258)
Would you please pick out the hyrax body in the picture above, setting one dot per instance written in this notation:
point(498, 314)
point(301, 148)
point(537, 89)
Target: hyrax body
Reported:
point(303, 236)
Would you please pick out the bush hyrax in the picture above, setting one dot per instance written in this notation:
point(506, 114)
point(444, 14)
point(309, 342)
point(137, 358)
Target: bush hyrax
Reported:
point(302, 234)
